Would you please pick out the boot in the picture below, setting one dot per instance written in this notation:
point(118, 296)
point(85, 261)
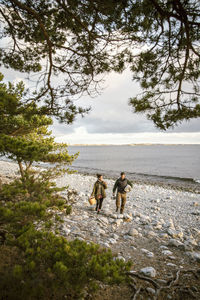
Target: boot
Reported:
point(121, 211)
point(117, 209)
point(98, 211)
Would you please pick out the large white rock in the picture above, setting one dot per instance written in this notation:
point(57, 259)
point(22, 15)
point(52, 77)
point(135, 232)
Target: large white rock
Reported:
point(147, 252)
point(162, 221)
point(118, 222)
point(103, 220)
point(144, 250)
point(191, 242)
point(175, 243)
point(115, 236)
point(121, 258)
point(112, 241)
point(169, 224)
point(148, 271)
point(167, 252)
point(106, 245)
point(159, 226)
point(164, 236)
point(163, 247)
point(133, 232)
point(120, 216)
point(114, 216)
point(150, 291)
point(151, 233)
point(128, 237)
point(175, 234)
point(66, 231)
point(128, 217)
point(144, 219)
point(194, 255)
point(171, 265)
point(99, 231)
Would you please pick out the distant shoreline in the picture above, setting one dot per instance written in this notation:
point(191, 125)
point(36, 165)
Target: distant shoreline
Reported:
point(181, 185)
point(141, 144)
point(10, 170)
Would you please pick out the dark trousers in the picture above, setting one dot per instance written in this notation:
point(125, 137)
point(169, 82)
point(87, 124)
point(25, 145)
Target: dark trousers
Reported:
point(99, 203)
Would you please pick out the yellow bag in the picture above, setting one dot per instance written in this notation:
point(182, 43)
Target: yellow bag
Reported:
point(92, 200)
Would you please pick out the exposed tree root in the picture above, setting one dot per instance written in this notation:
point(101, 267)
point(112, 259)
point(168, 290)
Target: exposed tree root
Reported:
point(172, 286)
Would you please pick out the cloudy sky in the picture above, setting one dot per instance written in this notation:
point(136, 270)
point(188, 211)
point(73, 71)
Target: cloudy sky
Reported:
point(111, 120)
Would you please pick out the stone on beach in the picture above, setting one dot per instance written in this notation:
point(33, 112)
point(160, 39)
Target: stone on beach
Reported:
point(148, 271)
point(175, 243)
point(171, 265)
point(147, 252)
point(118, 222)
point(150, 290)
point(167, 253)
point(144, 219)
point(103, 220)
point(175, 234)
point(133, 232)
point(194, 256)
point(151, 233)
point(121, 257)
point(164, 236)
point(169, 224)
point(65, 230)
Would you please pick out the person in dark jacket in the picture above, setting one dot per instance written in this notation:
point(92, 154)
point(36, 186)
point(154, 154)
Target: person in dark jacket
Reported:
point(99, 192)
point(120, 185)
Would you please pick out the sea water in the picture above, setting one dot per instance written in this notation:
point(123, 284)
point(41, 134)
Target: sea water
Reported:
point(153, 162)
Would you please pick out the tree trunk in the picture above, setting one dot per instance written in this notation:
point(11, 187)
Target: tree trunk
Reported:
point(28, 166)
point(21, 170)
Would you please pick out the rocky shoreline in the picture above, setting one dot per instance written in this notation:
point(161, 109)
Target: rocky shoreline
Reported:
point(159, 230)
point(170, 183)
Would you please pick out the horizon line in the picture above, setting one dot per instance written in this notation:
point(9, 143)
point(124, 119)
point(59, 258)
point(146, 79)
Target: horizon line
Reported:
point(134, 144)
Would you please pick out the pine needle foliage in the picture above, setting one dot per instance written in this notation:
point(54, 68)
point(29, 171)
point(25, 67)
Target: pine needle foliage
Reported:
point(24, 134)
point(36, 263)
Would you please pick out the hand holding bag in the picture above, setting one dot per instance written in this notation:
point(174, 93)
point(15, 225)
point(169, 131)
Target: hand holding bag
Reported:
point(92, 200)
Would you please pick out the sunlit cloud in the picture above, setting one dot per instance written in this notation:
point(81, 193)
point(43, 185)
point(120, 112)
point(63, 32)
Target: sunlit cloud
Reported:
point(81, 136)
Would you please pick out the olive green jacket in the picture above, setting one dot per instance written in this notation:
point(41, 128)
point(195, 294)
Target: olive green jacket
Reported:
point(99, 189)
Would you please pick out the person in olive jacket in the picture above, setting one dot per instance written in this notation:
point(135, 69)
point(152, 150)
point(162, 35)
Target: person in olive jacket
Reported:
point(120, 184)
point(99, 192)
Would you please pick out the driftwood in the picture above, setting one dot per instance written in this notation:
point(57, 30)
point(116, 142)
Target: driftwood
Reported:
point(171, 285)
point(155, 284)
point(136, 293)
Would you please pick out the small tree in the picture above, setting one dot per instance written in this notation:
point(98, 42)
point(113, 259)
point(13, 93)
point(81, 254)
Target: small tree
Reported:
point(24, 135)
point(35, 263)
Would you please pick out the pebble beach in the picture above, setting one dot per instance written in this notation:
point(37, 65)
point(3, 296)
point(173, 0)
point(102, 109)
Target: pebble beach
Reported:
point(159, 230)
